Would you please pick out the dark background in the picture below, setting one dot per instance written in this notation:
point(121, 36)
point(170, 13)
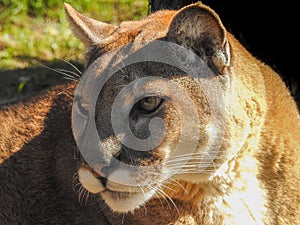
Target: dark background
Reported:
point(267, 29)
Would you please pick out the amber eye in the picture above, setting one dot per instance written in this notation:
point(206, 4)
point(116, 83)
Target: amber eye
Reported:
point(150, 104)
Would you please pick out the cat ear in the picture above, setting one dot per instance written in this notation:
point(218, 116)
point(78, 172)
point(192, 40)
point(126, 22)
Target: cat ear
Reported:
point(88, 30)
point(198, 27)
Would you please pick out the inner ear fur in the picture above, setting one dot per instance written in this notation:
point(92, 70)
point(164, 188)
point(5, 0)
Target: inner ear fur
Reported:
point(199, 28)
point(88, 30)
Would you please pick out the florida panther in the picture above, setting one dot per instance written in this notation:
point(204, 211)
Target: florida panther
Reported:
point(229, 153)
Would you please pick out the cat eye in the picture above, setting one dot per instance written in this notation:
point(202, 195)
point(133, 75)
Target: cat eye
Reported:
point(150, 104)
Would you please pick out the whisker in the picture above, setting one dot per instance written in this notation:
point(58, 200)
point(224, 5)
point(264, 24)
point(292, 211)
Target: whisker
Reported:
point(168, 197)
point(159, 191)
point(80, 193)
point(164, 185)
point(150, 187)
point(160, 194)
point(79, 72)
point(85, 197)
point(197, 172)
point(68, 76)
point(142, 189)
point(188, 157)
point(188, 169)
point(198, 153)
point(78, 184)
point(173, 182)
point(70, 72)
point(194, 165)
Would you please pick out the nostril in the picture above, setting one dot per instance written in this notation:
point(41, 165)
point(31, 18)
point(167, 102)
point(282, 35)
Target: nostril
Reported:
point(103, 171)
point(107, 170)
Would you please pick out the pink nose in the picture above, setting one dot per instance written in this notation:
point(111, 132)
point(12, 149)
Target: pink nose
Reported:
point(103, 170)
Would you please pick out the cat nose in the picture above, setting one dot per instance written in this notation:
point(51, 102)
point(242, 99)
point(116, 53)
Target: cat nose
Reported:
point(103, 170)
point(98, 169)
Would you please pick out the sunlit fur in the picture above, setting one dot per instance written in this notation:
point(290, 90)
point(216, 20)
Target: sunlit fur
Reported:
point(231, 177)
point(229, 156)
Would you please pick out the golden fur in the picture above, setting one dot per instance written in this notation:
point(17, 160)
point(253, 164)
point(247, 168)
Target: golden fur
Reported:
point(252, 179)
point(257, 181)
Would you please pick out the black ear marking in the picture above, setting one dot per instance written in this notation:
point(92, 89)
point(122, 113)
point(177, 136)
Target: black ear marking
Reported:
point(198, 27)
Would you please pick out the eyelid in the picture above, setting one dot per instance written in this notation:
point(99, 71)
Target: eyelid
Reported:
point(161, 100)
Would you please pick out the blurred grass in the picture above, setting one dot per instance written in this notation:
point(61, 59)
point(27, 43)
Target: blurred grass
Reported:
point(33, 31)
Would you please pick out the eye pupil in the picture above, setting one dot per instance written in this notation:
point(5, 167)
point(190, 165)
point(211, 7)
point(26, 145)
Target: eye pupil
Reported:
point(150, 103)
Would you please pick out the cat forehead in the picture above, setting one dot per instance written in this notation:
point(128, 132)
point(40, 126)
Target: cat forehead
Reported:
point(140, 32)
point(150, 28)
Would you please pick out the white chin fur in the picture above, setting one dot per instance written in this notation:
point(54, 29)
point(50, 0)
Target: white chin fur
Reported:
point(115, 201)
point(128, 203)
point(89, 181)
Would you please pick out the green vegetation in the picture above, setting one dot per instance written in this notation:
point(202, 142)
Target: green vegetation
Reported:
point(34, 31)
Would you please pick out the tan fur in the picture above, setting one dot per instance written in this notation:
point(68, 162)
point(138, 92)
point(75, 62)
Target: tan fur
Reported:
point(244, 188)
point(19, 128)
point(253, 179)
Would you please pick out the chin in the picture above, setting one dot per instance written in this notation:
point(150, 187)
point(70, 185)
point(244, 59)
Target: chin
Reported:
point(123, 202)
point(119, 201)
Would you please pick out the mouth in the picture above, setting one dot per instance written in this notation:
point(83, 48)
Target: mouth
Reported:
point(119, 198)
point(96, 183)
